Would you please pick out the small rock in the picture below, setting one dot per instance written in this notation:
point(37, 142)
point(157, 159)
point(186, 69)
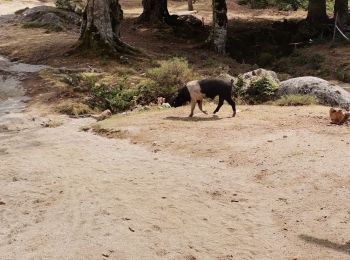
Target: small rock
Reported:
point(105, 114)
point(2, 203)
point(14, 178)
point(85, 128)
point(132, 230)
point(166, 105)
point(124, 60)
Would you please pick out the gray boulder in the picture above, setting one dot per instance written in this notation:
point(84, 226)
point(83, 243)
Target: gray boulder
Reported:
point(326, 92)
point(244, 81)
point(260, 73)
point(50, 17)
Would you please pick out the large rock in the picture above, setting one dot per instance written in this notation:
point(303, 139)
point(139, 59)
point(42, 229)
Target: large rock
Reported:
point(259, 73)
point(50, 17)
point(326, 92)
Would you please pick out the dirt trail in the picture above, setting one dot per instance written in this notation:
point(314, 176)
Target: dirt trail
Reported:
point(74, 195)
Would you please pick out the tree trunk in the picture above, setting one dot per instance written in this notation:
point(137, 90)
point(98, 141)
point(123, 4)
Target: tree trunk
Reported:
point(317, 12)
point(341, 7)
point(218, 35)
point(190, 5)
point(100, 30)
point(154, 11)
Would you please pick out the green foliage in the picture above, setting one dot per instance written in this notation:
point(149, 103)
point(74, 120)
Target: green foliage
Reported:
point(55, 27)
point(239, 87)
point(102, 95)
point(296, 100)
point(117, 97)
point(169, 76)
point(71, 79)
point(114, 92)
point(261, 90)
point(148, 91)
point(164, 81)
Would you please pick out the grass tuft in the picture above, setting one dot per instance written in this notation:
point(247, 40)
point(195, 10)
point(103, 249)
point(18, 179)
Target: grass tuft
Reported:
point(296, 100)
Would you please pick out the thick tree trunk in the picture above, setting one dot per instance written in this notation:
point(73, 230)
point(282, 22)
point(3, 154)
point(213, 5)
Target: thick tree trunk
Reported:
point(341, 7)
point(154, 11)
point(218, 35)
point(317, 12)
point(190, 5)
point(100, 30)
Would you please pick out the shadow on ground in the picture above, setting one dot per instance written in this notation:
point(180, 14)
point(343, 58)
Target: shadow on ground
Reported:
point(345, 248)
point(195, 119)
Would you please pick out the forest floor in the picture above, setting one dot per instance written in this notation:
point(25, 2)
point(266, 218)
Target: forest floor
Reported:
point(271, 183)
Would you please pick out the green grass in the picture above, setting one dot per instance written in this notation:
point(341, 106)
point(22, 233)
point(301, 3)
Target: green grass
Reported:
point(296, 100)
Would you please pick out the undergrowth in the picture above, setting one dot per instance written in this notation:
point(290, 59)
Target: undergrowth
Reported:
point(118, 91)
point(296, 100)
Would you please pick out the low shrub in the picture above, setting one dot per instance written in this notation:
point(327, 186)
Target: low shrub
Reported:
point(114, 92)
point(168, 77)
point(261, 90)
point(117, 97)
point(296, 100)
point(239, 91)
point(147, 91)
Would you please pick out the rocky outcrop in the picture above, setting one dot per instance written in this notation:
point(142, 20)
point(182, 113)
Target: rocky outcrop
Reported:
point(50, 18)
point(326, 92)
point(244, 81)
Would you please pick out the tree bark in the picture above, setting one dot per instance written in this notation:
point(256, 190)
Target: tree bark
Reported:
point(190, 5)
point(100, 30)
point(218, 35)
point(341, 7)
point(154, 11)
point(317, 12)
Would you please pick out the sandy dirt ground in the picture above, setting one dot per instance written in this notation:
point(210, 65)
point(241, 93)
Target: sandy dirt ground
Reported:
point(272, 183)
